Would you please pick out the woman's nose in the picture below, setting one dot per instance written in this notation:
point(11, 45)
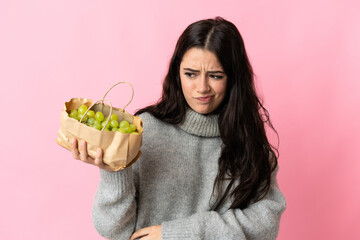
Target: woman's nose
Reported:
point(203, 85)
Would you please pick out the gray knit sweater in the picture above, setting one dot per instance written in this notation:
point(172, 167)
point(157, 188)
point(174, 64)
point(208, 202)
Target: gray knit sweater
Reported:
point(171, 184)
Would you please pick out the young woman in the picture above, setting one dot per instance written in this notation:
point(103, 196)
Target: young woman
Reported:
point(207, 169)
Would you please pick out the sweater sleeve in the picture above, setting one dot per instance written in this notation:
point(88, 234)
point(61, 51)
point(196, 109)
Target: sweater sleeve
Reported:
point(259, 220)
point(114, 208)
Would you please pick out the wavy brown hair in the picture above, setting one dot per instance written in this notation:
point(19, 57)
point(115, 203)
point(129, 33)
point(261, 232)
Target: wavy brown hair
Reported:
point(247, 158)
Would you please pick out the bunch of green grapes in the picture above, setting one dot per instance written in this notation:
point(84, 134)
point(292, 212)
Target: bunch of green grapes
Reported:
point(98, 121)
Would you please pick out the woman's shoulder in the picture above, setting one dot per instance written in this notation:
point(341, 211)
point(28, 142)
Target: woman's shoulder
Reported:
point(150, 120)
point(145, 116)
point(154, 127)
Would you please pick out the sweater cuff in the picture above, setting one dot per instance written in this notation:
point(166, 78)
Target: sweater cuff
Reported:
point(180, 229)
point(122, 180)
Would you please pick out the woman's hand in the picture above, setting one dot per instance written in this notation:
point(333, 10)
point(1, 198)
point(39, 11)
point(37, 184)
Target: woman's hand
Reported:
point(79, 152)
point(149, 233)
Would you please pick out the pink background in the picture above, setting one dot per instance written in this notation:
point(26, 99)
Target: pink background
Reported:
point(304, 53)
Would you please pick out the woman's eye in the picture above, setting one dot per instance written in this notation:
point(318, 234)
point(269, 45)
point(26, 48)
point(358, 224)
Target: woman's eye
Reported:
point(217, 76)
point(189, 74)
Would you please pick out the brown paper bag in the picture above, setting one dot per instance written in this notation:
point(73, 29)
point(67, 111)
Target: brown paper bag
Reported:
point(120, 150)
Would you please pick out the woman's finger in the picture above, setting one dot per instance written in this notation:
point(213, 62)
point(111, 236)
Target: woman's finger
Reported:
point(98, 161)
point(148, 233)
point(139, 233)
point(83, 151)
point(74, 148)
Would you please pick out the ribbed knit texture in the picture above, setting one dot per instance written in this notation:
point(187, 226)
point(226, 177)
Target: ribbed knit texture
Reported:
point(171, 184)
point(201, 125)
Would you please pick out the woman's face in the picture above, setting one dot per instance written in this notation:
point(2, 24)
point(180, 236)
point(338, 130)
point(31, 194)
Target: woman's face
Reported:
point(203, 80)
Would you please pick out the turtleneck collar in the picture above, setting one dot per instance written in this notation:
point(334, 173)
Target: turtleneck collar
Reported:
point(200, 125)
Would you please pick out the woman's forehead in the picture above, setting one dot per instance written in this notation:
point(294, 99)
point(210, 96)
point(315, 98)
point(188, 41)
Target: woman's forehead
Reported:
point(197, 58)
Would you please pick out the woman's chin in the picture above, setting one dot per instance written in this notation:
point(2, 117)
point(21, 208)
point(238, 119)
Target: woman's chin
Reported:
point(201, 110)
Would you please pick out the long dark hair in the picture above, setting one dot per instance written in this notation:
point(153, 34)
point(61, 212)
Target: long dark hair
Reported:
point(247, 158)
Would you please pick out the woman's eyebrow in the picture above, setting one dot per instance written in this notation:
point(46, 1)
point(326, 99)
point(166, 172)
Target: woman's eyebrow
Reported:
point(191, 70)
point(211, 72)
point(216, 72)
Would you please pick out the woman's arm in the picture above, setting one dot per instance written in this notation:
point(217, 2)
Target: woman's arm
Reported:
point(114, 208)
point(258, 221)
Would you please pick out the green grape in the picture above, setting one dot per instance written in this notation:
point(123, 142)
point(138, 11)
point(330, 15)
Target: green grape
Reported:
point(80, 115)
point(125, 130)
point(122, 130)
point(114, 129)
point(124, 123)
point(90, 121)
point(73, 113)
point(99, 116)
point(103, 124)
point(90, 113)
point(132, 127)
point(135, 133)
point(97, 125)
point(82, 109)
point(114, 123)
point(114, 117)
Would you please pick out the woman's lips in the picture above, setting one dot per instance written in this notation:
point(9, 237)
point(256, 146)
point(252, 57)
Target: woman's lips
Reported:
point(205, 98)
